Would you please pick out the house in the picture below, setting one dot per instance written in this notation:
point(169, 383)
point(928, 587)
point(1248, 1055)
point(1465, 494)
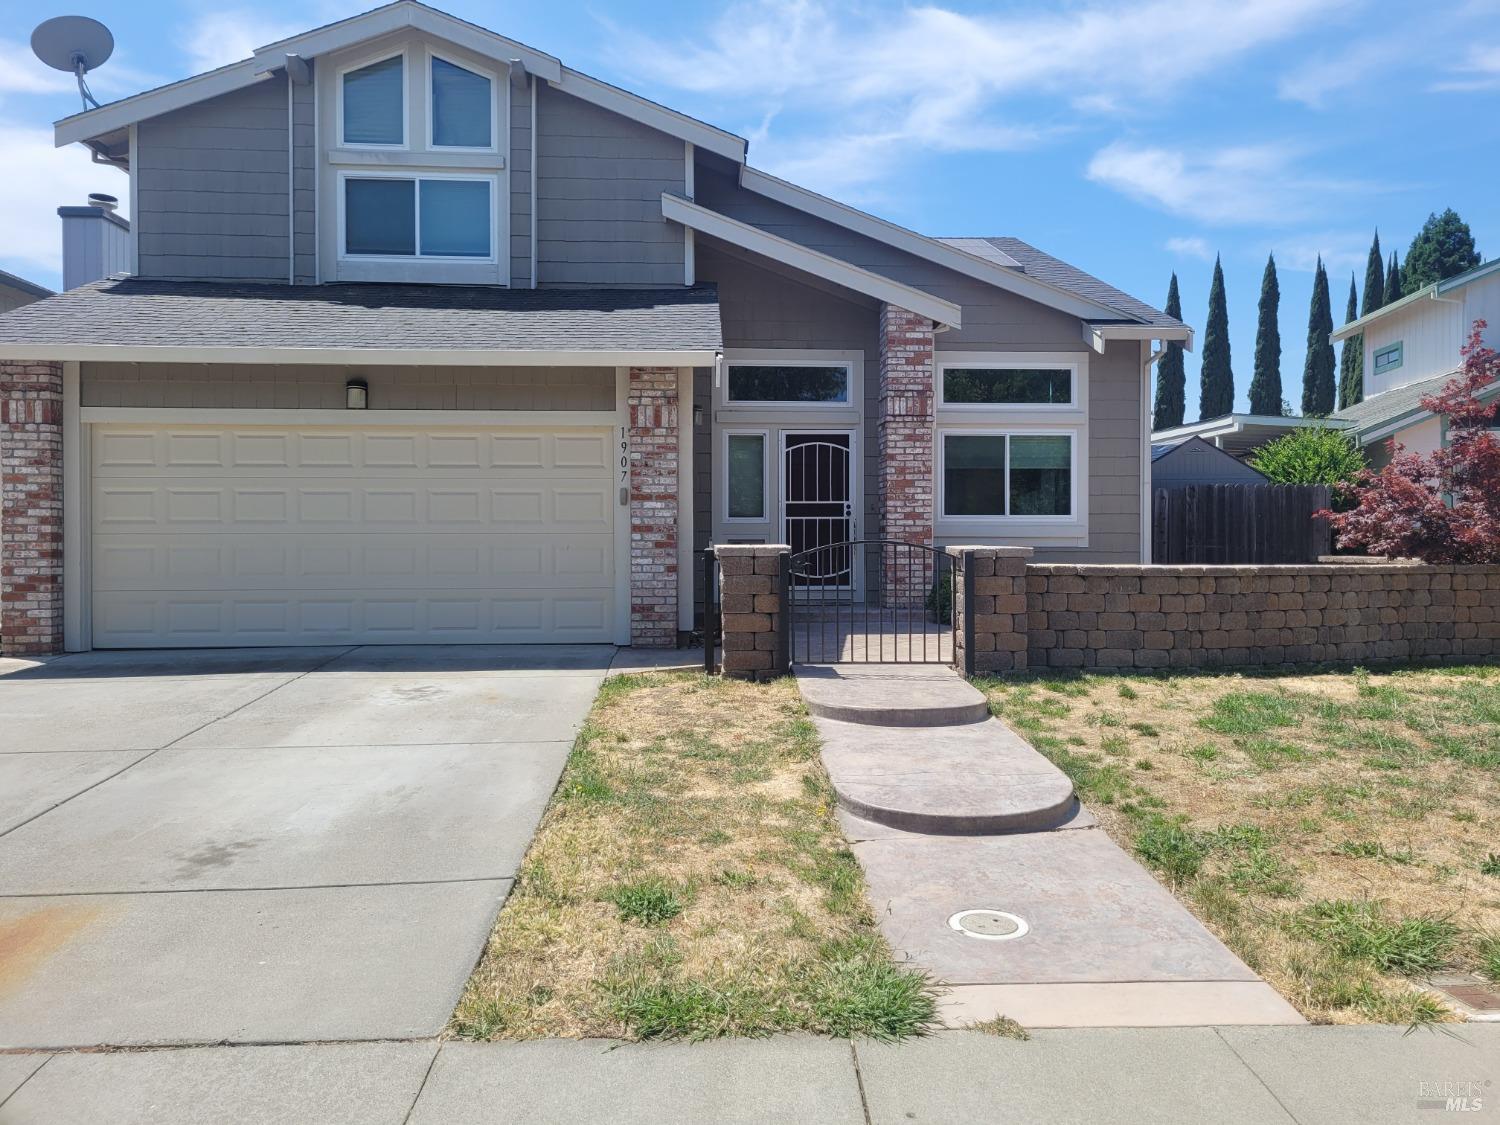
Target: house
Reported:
point(1195, 461)
point(428, 337)
point(17, 291)
point(1411, 349)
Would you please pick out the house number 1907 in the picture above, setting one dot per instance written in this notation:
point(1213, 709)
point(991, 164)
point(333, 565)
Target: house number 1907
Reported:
point(624, 453)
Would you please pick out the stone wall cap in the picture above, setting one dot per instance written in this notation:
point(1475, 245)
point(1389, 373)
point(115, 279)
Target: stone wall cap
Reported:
point(996, 552)
point(750, 550)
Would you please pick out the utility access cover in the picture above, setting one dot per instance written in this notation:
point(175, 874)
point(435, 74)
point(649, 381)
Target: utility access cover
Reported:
point(989, 925)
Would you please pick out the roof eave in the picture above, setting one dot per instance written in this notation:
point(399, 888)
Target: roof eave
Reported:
point(434, 357)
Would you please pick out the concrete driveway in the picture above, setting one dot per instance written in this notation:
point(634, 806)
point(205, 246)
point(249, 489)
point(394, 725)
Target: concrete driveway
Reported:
point(267, 845)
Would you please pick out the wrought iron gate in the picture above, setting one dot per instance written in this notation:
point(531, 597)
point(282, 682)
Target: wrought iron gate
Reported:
point(871, 601)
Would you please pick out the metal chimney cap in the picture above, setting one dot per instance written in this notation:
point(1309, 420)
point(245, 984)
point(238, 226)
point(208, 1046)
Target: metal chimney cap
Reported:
point(103, 201)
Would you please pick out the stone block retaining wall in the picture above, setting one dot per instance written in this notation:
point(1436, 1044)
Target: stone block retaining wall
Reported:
point(754, 639)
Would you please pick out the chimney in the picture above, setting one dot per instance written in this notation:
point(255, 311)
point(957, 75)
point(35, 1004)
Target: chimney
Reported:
point(96, 241)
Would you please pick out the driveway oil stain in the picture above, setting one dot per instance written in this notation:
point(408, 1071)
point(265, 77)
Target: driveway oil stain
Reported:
point(212, 857)
point(421, 693)
point(29, 941)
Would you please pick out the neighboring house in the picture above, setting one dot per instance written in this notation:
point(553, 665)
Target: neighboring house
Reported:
point(588, 339)
point(17, 291)
point(1195, 461)
point(1411, 348)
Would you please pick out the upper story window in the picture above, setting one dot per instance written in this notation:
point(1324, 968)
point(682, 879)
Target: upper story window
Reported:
point(462, 107)
point(789, 383)
point(1388, 358)
point(372, 103)
point(426, 216)
point(1040, 385)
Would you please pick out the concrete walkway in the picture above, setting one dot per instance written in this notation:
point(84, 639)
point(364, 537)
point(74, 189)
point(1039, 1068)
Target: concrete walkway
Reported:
point(267, 845)
point(985, 871)
point(1229, 1076)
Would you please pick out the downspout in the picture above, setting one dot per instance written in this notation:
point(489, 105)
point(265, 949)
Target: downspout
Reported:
point(535, 90)
point(291, 184)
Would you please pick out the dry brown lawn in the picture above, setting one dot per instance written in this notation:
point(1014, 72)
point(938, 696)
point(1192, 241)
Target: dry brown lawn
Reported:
point(1338, 830)
point(689, 879)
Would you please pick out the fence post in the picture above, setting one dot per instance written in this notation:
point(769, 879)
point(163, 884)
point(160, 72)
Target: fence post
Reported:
point(710, 612)
point(968, 559)
point(783, 619)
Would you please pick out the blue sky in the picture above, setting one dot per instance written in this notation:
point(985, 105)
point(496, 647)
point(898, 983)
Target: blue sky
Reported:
point(1131, 138)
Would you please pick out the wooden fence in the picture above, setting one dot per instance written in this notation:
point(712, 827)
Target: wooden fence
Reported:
point(1239, 524)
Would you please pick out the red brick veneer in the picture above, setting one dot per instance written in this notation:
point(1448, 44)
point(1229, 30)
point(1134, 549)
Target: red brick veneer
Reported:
point(654, 447)
point(31, 508)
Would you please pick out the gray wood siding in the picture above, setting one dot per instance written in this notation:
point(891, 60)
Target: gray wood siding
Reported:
point(1115, 460)
point(308, 387)
point(304, 183)
point(212, 194)
point(520, 184)
point(599, 182)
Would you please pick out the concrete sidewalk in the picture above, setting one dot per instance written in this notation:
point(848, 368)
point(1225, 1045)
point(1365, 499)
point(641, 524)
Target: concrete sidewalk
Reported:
point(1255, 1076)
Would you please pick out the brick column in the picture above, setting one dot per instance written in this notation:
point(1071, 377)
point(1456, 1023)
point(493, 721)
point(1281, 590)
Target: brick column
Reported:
point(999, 625)
point(652, 404)
point(905, 440)
point(31, 508)
point(751, 592)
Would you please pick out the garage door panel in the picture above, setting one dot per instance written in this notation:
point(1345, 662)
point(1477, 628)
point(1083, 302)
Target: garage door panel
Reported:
point(241, 536)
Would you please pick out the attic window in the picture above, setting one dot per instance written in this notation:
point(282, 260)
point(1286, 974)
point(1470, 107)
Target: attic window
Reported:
point(1388, 358)
point(374, 103)
point(461, 107)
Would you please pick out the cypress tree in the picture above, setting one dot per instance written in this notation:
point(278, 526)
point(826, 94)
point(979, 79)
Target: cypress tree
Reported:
point(1265, 384)
point(1352, 358)
point(1216, 377)
point(1374, 279)
point(1317, 375)
point(1395, 284)
point(1443, 248)
point(1171, 378)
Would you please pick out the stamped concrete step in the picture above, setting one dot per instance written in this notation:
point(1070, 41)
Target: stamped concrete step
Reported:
point(891, 695)
point(976, 779)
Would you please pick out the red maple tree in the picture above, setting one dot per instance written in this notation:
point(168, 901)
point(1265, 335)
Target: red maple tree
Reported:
point(1442, 507)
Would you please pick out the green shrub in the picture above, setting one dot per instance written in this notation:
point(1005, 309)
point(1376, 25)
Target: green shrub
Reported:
point(1311, 455)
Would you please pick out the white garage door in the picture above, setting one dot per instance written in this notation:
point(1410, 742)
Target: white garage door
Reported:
point(270, 536)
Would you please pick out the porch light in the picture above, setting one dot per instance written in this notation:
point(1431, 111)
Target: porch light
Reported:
point(356, 394)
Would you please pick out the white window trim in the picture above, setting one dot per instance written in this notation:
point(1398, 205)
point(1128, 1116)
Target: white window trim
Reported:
point(491, 179)
point(338, 83)
point(1075, 439)
point(1397, 346)
point(765, 475)
point(495, 106)
point(852, 362)
point(1075, 362)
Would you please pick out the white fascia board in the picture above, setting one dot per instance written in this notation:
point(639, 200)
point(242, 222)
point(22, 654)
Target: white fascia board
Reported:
point(435, 357)
point(1180, 335)
point(814, 262)
point(427, 419)
point(659, 117)
point(1014, 281)
point(126, 112)
point(403, 15)
point(1241, 423)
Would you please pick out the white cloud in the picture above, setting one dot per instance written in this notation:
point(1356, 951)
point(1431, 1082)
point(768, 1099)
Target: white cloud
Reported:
point(1192, 247)
point(216, 39)
point(1480, 70)
point(21, 72)
point(946, 80)
point(1313, 82)
point(1342, 251)
point(1240, 184)
point(30, 232)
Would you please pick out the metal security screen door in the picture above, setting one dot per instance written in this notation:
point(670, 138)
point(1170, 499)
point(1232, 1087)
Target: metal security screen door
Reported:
point(818, 504)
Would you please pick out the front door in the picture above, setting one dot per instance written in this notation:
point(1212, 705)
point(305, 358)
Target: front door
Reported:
point(818, 505)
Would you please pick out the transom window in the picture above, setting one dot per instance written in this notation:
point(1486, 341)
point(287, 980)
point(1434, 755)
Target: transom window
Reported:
point(788, 382)
point(462, 107)
point(418, 217)
point(745, 476)
point(1008, 386)
point(996, 475)
point(374, 103)
point(1388, 358)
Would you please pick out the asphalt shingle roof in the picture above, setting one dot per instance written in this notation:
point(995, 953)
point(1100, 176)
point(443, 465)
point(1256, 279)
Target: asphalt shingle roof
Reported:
point(139, 312)
point(1387, 407)
point(1054, 271)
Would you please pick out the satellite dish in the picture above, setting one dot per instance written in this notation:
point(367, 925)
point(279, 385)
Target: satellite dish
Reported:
point(75, 44)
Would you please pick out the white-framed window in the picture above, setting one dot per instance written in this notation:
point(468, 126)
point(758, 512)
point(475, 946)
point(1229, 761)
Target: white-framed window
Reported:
point(1008, 383)
point(425, 216)
point(460, 106)
point(773, 382)
point(746, 476)
point(1008, 474)
point(1388, 358)
point(372, 103)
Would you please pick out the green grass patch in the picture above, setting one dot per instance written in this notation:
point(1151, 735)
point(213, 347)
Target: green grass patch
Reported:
point(1251, 712)
point(1359, 930)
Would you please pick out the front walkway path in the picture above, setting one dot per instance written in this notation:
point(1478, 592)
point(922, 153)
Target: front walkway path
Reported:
point(267, 845)
point(1229, 1076)
point(985, 872)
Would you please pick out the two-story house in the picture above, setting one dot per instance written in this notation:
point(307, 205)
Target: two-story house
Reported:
point(428, 337)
